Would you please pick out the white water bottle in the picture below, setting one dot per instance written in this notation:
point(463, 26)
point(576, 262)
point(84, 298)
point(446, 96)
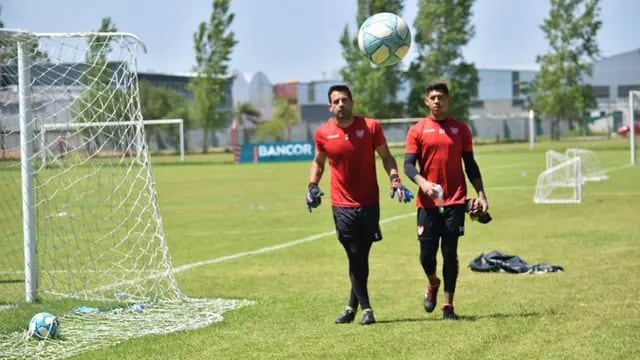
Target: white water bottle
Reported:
point(439, 200)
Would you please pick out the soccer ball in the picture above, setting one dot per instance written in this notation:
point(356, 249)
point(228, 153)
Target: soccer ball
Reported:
point(384, 39)
point(44, 325)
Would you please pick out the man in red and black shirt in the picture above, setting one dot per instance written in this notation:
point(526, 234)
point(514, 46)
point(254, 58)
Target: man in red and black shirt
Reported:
point(350, 143)
point(441, 145)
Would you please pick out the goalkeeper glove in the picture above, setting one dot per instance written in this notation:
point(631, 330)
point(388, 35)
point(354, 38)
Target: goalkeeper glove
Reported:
point(314, 196)
point(476, 215)
point(397, 189)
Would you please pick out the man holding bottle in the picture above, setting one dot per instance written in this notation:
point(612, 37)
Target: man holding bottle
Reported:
point(441, 144)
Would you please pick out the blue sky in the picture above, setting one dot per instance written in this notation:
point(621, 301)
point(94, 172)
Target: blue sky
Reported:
point(298, 39)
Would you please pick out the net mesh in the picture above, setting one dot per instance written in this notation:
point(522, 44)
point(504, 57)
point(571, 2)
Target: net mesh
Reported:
point(590, 164)
point(98, 227)
point(560, 184)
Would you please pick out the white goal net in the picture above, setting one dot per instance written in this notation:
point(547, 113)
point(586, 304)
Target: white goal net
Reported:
point(566, 174)
point(553, 158)
point(560, 184)
point(592, 170)
point(89, 231)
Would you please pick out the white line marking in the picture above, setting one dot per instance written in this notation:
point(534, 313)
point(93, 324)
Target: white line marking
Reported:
point(275, 247)
point(616, 168)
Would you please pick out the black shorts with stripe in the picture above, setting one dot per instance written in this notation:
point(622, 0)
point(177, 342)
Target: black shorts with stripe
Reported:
point(357, 224)
point(433, 224)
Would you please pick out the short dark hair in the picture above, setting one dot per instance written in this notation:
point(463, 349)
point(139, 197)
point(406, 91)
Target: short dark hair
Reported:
point(438, 86)
point(339, 88)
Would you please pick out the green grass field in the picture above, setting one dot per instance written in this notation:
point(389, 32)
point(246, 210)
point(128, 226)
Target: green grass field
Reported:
point(212, 209)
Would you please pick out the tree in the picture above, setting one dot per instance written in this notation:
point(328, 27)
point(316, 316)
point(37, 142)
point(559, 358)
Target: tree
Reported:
point(374, 88)
point(558, 91)
point(213, 43)
point(246, 111)
point(285, 116)
point(159, 102)
point(9, 50)
point(443, 27)
point(100, 102)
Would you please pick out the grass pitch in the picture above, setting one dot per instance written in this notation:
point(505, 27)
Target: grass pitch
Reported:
point(213, 210)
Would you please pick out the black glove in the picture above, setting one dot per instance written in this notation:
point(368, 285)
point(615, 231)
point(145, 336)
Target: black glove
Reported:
point(481, 217)
point(314, 196)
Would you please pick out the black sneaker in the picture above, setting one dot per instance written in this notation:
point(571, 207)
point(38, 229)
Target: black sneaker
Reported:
point(367, 317)
point(347, 316)
point(431, 298)
point(448, 313)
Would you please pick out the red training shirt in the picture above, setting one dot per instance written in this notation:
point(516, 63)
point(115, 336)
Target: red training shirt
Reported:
point(351, 153)
point(439, 146)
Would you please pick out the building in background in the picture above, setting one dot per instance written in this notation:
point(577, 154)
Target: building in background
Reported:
point(613, 78)
point(287, 91)
point(257, 90)
point(499, 108)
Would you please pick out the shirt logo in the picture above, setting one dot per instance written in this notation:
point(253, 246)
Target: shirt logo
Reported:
point(359, 133)
point(430, 130)
point(454, 131)
point(335, 136)
point(441, 131)
point(420, 229)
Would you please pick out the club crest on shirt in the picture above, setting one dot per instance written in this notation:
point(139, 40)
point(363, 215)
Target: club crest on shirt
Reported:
point(420, 229)
point(359, 133)
point(454, 130)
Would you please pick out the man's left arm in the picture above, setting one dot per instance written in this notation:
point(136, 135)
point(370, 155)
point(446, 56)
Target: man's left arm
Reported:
point(473, 174)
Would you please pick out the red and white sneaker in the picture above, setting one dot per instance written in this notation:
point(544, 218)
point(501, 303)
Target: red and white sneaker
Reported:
point(431, 297)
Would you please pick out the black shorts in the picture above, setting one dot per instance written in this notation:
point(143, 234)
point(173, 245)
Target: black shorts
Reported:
point(357, 224)
point(431, 223)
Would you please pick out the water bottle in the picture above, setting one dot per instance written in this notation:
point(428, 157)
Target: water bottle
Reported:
point(439, 200)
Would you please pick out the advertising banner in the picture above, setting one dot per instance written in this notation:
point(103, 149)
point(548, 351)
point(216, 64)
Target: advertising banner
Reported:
point(278, 151)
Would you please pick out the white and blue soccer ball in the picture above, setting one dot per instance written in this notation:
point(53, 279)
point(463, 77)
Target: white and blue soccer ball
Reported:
point(44, 325)
point(384, 38)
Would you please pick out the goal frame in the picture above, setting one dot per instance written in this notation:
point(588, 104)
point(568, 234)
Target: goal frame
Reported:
point(27, 175)
point(73, 126)
point(27, 130)
point(576, 183)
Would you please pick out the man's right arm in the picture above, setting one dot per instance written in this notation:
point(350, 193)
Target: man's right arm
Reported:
point(317, 167)
point(314, 194)
point(412, 173)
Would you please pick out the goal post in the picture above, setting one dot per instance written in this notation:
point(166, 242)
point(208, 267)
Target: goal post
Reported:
point(27, 171)
point(634, 97)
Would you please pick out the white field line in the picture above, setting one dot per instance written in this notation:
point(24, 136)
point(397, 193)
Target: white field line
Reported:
point(275, 247)
point(616, 168)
